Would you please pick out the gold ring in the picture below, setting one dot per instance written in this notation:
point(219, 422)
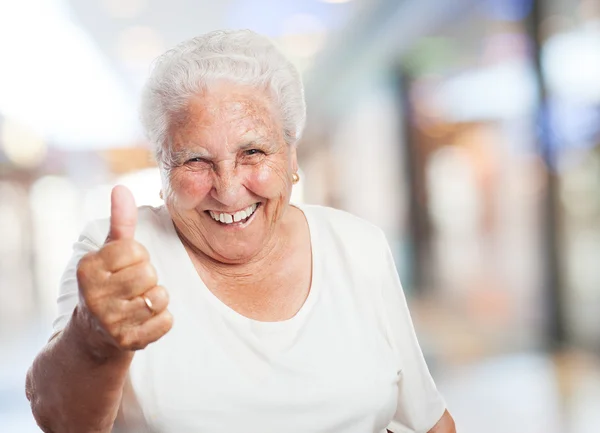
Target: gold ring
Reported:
point(149, 304)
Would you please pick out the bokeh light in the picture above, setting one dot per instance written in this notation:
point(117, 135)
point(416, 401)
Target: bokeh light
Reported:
point(21, 145)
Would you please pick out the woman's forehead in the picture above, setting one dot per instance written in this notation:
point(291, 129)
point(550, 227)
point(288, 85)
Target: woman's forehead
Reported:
point(231, 101)
point(233, 110)
point(225, 120)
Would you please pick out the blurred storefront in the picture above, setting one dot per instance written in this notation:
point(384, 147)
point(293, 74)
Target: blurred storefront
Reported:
point(571, 61)
point(469, 91)
point(473, 141)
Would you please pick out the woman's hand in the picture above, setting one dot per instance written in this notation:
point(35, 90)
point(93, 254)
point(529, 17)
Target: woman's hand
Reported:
point(94, 351)
point(113, 283)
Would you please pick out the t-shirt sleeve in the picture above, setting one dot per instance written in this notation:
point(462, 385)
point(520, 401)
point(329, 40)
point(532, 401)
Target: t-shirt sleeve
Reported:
point(68, 292)
point(420, 405)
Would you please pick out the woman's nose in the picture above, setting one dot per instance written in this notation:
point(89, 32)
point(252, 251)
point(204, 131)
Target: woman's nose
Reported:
point(227, 186)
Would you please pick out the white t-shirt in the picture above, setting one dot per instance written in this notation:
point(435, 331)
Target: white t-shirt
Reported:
point(347, 362)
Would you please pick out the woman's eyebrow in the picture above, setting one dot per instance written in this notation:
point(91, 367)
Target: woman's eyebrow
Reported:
point(186, 154)
point(250, 144)
point(255, 141)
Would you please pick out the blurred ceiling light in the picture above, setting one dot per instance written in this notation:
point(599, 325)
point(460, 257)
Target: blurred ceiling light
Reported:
point(571, 62)
point(22, 147)
point(140, 45)
point(502, 91)
point(124, 8)
point(57, 82)
point(303, 35)
point(336, 1)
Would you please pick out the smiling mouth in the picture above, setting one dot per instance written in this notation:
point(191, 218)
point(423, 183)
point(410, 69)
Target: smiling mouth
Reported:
point(236, 218)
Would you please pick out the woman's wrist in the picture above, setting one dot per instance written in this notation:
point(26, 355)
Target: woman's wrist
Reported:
point(90, 342)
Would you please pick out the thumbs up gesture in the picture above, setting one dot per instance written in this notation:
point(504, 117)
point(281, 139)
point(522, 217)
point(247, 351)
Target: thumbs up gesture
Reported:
point(118, 289)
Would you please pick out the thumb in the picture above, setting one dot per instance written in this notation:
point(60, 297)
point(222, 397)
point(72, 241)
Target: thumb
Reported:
point(123, 214)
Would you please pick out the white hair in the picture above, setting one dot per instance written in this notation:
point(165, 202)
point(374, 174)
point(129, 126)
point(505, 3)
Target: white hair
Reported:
point(240, 56)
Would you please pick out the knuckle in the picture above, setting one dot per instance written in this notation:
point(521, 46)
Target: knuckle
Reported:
point(124, 251)
point(136, 250)
point(167, 322)
point(138, 347)
point(93, 307)
point(133, 340)
point(121, 338)
point(92, 297)
point(163, 294)
point(149, 273)
point(92, 302)
point(111, 318)
point(84, 266)
point(96, 292)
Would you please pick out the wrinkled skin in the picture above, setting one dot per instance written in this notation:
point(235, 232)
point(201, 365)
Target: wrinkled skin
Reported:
point(227, 152)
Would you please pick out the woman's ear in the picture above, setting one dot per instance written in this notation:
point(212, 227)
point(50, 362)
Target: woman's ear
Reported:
point(294, 158)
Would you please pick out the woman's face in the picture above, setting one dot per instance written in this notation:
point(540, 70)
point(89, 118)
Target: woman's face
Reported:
point(229, 162)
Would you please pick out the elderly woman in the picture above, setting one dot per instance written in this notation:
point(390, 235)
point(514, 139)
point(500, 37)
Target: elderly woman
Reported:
point(228, 309)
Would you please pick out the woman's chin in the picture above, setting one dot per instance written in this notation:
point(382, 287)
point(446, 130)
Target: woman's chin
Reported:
point(236, 255)
point(234, 249)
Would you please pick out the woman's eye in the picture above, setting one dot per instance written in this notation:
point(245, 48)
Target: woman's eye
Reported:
point(251, 152)
point(196, 160)
point(198, 163)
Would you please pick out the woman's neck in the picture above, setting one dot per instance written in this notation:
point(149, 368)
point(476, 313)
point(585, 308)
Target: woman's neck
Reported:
point(272, 287)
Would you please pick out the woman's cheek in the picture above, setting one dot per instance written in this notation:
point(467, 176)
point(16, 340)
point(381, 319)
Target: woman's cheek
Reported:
point(269, 180)
point(190, 188)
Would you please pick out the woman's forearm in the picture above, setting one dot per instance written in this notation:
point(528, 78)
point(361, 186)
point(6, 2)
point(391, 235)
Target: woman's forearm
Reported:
point(74, 388)
point(444, 425)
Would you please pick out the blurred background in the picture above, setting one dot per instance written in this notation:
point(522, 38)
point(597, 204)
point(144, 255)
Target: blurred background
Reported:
point(469, 130)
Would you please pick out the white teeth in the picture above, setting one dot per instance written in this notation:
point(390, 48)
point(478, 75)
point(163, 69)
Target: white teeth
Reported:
point(227, 218)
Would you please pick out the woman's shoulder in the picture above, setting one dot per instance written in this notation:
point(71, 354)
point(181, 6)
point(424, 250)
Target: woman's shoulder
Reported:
point(344, 226)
